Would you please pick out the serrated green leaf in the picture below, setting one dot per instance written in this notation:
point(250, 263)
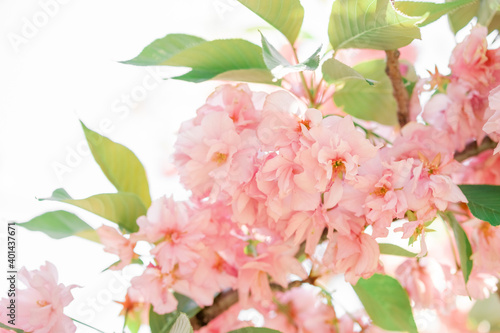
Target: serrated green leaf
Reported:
point(164, 48)
point(254, 330)
point(463, 246)
point(121, 208)
point(371, 24)
point(279, 66)
point(219, 59)
point(182, 325)
point(487, 9)
point(386, 302)
point(61, 224)
point(395, 250)
point(462, 16)
point(484, 202)
point(367, 102)
point(335, 71)
point(120, 165)
point(435, 10)
point(284, 15)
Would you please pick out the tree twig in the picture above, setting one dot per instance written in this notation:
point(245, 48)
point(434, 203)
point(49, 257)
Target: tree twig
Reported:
point(399, 90)
point(472, 149)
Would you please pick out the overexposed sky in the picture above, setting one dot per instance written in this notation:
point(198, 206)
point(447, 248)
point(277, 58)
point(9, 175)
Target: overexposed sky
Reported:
point(59, 64)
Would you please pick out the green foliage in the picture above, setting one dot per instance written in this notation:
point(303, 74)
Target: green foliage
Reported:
point(463, 246)
point(186, 305)
point(484, 202)
point(369, 24)
point(279, 66)
point(61, 224)
point(120, 165)
point(487, 310)
point(485, 11)
point(395, 250)
point(254, 330)
point(284, 15)
point(435, 10)
point(460, 17)
point(121, 208)
point(386, 302)
point(335, 71)
point(225, 59)
point(369, 102)
point(162, 323)
point(182, 325)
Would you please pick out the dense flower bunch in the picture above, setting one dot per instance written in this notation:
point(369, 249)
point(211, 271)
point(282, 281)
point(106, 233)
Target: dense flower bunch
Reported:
point(286, 195)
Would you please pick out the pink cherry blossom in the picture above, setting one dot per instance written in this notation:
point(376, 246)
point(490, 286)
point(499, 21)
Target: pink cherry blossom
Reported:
point(168, 225)
point(492, 126)
point(114, 242)
point(40, 305)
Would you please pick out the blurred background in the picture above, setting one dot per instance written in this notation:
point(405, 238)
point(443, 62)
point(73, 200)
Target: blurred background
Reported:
point(59, 63)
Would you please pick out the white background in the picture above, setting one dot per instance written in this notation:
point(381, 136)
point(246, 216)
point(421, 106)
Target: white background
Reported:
point(55, 70)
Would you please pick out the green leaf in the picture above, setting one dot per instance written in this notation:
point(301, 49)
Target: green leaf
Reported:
point(61, 224)
point(279, 66)
point(121, 208)
point(335, 71)
point(435, 10)
point(162, 323)
point(371, 24)
point(495, 23)
point(254, 330)
point(487, 310)
point(395, 250)
point(186, 305)
point(134, 261)
point(487, 10)
point(386, 302)
point(208, 59)
point(119, 164)
point(284, 15)
point(369, 102)
point(484, 202)
point(164, 48)
point(182, 325)
point(462, 16)
point(17, 330)
point(463, 246)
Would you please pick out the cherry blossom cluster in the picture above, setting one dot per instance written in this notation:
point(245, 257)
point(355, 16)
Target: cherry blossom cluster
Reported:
point(284, 193)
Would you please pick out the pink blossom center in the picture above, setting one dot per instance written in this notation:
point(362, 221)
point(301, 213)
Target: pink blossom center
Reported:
point(219, 158)
point(42, 303)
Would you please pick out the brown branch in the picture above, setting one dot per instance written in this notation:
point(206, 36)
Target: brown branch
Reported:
point(222, 302)
point(228, 298)
point(472, 149)
point(399, 90)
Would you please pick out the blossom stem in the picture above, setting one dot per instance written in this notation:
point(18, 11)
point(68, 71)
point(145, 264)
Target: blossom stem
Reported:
point(399, 89)
point(444, 216)
point(79, 322)
point(303, 79)
point(472, 149)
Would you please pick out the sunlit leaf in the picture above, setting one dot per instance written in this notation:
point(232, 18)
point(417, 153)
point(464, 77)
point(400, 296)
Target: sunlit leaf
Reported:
point(121, 208)
point(120, 165)
point(435, 10)
point(484, 202)
point(61, 224)
point(395, 250)
point(371, 24)
point(369, 102)
point(463, 246)
point(182, 325)
point(386, 302)
point(335, 71)
point(462, 16)
point(284, 15)
point(218, 59)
